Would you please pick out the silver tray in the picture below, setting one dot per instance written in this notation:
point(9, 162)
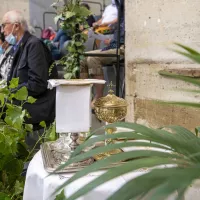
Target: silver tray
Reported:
point(51, 163)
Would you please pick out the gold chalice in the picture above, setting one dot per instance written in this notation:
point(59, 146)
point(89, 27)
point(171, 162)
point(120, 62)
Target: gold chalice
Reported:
point(110, 109)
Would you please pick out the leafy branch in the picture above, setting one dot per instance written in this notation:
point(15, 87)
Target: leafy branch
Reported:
point(13, 129)
point(71, 17)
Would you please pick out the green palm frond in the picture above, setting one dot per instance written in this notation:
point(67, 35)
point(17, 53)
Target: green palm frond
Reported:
point(188, 90)
point(178, 150)
point(188, 49)
point(192, 80)
point(195, 56)
point(179, 103)
point(189, 52)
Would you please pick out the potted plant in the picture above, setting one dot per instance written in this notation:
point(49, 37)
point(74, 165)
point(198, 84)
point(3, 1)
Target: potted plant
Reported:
point(71, 17)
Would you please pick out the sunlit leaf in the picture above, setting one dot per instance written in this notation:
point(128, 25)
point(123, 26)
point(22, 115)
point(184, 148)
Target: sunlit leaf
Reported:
point(190, 50)
point(2, 99)
point(68, 75)
point(4, 196)
point(43, 124)
point(14, 83)
point(31, 100)
point(21, 94)
point(57, 18)
point(29, 127)
point(19, 187)
point(61, 196)
point(192, 80)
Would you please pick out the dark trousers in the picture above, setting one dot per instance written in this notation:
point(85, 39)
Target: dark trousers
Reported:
point(32, 139)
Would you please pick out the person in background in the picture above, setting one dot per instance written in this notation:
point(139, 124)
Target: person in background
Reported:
point(109, 18)
point(61, 37)
point(31, 62)
point(5, 57)
point(90, 19)
point(92, 66)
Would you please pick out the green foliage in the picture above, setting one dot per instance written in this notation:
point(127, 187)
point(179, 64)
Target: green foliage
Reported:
point(50, 133)
point(176, 149)
point(192, 80)
point(61, 196)
point(14, 83)
point(189, 53)
point(13, 150)
point(193, 55)
point(73, 16)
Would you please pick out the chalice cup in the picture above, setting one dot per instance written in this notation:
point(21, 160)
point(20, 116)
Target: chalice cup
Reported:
point(110, 109)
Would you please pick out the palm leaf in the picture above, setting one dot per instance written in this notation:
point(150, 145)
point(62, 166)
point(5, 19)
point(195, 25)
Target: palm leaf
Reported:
point(188, 49)
point(179, 147)
point(192, 80)
point(188, 90)
point(193, 57)
point(190, 53)
point(179, 103)
point(122, 157)
point(118, 171)
point(169, 178)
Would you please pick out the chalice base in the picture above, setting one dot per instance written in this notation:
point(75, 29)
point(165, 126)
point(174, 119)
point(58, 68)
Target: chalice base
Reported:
point(107, 154)
point(110, 130)
point(113, 152)
point(62, 148)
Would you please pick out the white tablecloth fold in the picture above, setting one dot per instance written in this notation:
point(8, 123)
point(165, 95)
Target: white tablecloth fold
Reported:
point(40, 186)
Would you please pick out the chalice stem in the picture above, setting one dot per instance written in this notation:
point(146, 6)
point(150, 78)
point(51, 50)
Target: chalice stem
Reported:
point(109, 131)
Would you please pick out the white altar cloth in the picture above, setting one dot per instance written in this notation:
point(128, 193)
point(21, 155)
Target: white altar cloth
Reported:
point(40, 187)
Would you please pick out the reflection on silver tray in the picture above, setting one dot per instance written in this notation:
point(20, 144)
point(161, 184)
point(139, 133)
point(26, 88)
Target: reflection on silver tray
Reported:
point(52, 160)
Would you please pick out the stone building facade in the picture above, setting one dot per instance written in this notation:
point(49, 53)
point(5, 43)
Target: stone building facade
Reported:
point(22, 5)
point(152, 26)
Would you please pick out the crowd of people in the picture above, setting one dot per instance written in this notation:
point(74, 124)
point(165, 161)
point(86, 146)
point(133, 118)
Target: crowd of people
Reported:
point(25, 56)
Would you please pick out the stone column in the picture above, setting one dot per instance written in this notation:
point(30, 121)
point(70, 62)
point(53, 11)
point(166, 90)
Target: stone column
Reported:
point(152, 26)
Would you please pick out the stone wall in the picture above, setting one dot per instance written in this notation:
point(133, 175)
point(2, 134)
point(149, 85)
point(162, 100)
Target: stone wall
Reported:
point(22, 5)
point(34, 9)
point(151, 28)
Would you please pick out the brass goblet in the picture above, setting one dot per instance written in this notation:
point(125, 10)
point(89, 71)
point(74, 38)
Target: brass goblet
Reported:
point(110, 109)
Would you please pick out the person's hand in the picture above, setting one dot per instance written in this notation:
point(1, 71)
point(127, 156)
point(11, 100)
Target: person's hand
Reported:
point(94, 24)
point(104, 24)
point(107, 41)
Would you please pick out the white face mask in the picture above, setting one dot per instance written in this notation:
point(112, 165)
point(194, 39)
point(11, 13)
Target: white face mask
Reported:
point(1, 49)
point(11, 39)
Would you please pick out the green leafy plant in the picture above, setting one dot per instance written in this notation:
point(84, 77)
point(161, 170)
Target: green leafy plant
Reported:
point(61, 196)
point(13, 129)
point(72, 16)
point(13, 151)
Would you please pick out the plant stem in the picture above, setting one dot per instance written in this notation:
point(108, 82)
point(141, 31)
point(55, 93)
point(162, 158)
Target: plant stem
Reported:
point(30, 153)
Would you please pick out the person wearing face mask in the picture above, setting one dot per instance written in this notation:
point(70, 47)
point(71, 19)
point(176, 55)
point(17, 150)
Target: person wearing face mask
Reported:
point(31, 63)
point(5, 57)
